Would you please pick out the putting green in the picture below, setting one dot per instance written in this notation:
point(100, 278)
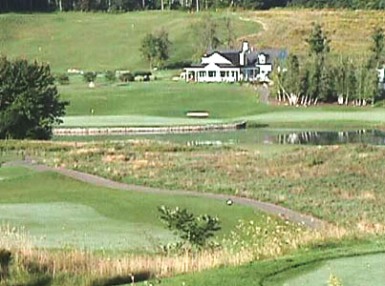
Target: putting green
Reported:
point(352, 271)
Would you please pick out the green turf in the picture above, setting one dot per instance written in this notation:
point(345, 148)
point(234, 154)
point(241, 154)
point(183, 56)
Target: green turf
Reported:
point(60, 211)
point(276, 272)
point(7, 173)
point(352, 271)
point(100, 41)
point(159, 99)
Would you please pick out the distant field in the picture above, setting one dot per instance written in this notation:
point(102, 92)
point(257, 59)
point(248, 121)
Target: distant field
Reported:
point(100, 41)
point(348, 30)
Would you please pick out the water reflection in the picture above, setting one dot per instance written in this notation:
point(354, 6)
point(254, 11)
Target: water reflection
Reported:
point(271, 136)
point(373, 137)
point(260, 136)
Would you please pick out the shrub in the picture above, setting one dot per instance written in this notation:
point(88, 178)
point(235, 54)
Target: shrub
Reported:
point(142, 73)
point(5, 262)
point(63, 79)
point(89, 76)
point(126, 77)
point(193, 230)
point(110, 76)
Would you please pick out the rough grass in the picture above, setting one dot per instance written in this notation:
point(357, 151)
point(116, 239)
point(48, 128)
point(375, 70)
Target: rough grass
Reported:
point(341, 184)
point(348, 30)
point(100, 41)
point(76, 219)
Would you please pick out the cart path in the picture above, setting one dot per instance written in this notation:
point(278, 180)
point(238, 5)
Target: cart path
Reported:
point(269, 208)
point(263, 24)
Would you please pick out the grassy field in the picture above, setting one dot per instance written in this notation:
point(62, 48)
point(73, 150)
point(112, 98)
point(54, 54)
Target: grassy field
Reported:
point(348, 30)
point(346, 179)
point(164, 102)
point(160, 99)
point(285, 270)
point(99, 41)
point(95, 218)
point(75, 233)
point(58, 38)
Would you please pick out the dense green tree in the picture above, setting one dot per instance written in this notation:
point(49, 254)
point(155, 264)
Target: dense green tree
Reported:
point(29, 101)
point(318, 41)
point(376, 59)
point(155, 48)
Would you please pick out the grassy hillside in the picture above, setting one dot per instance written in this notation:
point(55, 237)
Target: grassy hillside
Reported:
point(348, 30)
point(97, 41)
point(103, 41)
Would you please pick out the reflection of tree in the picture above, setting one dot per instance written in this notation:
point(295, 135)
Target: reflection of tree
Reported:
point(332, 137)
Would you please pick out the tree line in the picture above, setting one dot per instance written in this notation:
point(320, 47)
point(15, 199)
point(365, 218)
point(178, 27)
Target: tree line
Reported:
point(322, 78)
point(131, 5)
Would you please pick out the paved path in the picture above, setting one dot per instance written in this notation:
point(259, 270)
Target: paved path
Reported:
point(269, 208)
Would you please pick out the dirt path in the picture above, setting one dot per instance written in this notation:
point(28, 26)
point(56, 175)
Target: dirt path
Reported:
point(269, 208)
point(263, 24)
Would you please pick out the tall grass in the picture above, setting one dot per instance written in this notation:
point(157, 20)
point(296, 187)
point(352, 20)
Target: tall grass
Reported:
point(247, 243)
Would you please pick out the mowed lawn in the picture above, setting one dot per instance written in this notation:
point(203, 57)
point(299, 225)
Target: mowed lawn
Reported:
point(160, 98)
point(58, 211)
point(102, 41)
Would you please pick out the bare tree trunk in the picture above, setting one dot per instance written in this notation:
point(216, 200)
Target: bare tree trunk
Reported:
point(197, 5)
point(161, 5)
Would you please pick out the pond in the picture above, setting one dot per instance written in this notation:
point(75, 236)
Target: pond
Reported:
point(352, 271)
point(259, 136)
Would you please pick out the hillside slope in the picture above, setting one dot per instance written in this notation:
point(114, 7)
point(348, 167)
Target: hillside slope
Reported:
point(97, 41)
point(348, 30)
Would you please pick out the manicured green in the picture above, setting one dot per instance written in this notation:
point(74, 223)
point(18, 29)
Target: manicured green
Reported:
point(59, 211)
point(101, 41)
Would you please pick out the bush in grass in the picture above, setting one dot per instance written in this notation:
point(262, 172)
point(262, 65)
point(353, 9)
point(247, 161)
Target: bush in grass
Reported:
point(63, 79)
point(110, 76)
point(194, 231)
point(89, 76)
point(142, 75)
point(126, 77)
point(5, 263)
